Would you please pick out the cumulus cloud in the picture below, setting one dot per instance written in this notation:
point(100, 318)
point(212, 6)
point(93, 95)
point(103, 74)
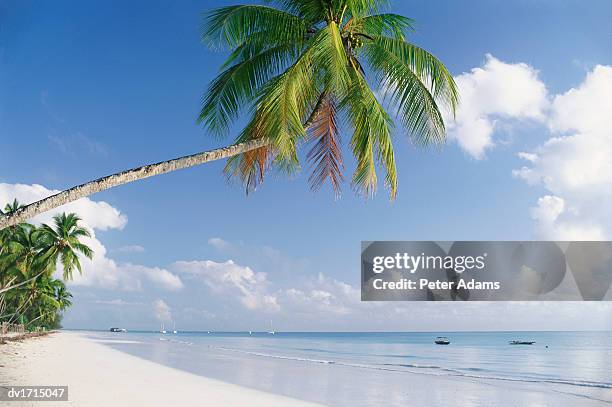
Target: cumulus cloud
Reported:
point(96, 214)
point(233, 279)
point(574, 164)
point(323, 296)
point(496, 92)
point(101, 270)
point(161, 310)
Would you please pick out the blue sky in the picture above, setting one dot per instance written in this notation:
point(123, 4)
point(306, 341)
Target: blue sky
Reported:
point(90, 89)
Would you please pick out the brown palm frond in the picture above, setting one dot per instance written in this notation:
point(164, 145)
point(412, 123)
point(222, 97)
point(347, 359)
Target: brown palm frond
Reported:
point(251, 166)
point(325, 156)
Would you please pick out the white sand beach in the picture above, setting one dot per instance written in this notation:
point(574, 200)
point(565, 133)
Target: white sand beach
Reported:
point(97, 375)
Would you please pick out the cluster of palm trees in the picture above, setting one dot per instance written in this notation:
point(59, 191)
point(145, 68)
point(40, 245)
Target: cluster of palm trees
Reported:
point(29, 257)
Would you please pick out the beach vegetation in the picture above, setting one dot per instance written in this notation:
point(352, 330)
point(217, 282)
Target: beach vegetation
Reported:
point(31, 293)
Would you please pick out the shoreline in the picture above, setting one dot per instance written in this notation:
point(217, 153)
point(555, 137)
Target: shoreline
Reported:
point(22, 336)
point(100, 372)
point(97, 375)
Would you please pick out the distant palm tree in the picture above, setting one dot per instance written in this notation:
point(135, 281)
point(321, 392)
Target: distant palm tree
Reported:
point(61, 243)
point(61, 294)
point(10, 209)
point(299, 68)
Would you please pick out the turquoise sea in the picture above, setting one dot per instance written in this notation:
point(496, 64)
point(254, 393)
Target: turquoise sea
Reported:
point(393, 368)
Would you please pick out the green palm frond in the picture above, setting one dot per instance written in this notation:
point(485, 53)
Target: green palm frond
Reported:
point(311, 12)
point(238, 85)
point(283, 104)
point(388, 24)
point(233, 25)
point(302, 67)
point(83, 249)
point(362, 8)
point(426, 66)
point(372, 138)
point(405, 82)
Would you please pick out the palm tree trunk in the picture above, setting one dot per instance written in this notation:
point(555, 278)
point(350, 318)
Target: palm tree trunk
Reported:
point(124, 177)
point(136, 174)
point(5, 289)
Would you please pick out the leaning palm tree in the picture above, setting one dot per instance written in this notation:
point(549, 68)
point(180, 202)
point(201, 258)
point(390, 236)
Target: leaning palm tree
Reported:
point(62, 244)
point(300, 68)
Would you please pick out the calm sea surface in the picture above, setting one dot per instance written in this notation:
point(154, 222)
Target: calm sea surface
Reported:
point(343, 368)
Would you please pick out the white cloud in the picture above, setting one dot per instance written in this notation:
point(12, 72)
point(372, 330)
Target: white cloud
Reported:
point(218, 243)
point(96, 214)
point(101, 270)
point(233, 279)
point(161, 310)
point(129, 249)
point(495, 92)
point(574, 164)
point(555, 221)
point(322, 296)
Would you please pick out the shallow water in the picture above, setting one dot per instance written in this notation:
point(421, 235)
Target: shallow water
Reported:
point(367, 369)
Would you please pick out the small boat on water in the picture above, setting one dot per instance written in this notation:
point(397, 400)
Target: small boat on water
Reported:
point(271, 331)
point(162, 330)
point(521, 342)
point(442, 340)
point(118, 330)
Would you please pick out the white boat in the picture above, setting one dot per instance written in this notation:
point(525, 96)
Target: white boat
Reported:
point(271, 331)
point(174, 328)
point(442, 340)
point(118, 330)
point(161, 329)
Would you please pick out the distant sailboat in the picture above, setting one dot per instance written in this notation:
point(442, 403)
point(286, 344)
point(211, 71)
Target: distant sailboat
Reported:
point(161, 329)
point(271, 331)
point(174, 327)
point(250, 332)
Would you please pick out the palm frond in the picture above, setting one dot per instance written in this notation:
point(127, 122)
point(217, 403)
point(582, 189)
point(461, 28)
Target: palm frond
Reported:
point(283, 105)
point(83, 249)
point(427, 67)
point(388, 24)
point(362, 8)
point(414, 81)
point(231, 26)
point(372, 138)
point(238, 85)
point(325, 156)
point(311, 11)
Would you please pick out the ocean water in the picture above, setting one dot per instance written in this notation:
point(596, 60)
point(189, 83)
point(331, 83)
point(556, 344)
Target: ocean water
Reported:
point(372, 369)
